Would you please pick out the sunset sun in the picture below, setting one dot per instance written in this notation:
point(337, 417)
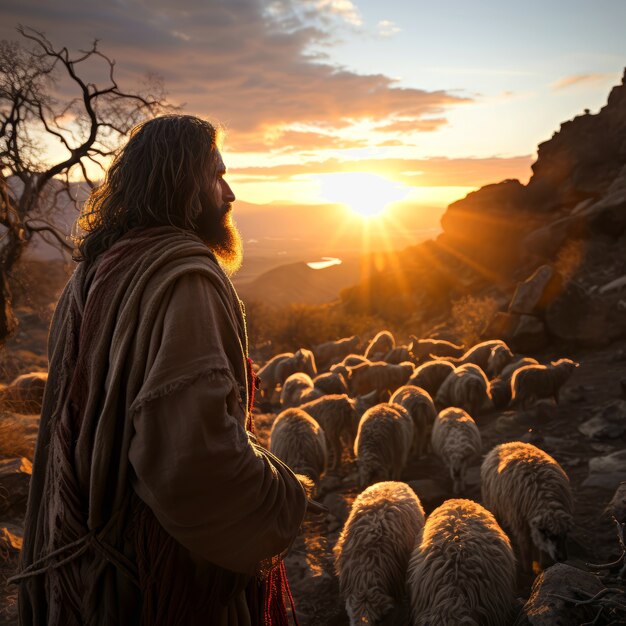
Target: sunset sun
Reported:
point(367, 195)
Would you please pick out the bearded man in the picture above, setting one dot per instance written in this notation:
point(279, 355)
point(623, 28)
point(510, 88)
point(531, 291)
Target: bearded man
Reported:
point(150, 501)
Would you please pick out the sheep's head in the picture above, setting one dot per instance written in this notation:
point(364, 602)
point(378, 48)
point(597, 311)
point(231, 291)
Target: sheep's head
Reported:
point(567, 365)
point(367, 401)
point(369, 607)
point(549, 531)
point(499, 358)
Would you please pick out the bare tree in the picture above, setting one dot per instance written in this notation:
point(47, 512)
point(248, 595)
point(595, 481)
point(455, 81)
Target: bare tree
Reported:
point(55, 103)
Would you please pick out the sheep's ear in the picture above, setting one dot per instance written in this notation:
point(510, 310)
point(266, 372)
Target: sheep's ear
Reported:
point(576, 364)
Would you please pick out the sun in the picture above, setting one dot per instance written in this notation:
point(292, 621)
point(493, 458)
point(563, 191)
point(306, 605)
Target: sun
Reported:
point(367, 195)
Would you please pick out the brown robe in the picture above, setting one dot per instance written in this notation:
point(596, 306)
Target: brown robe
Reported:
point(149, 501)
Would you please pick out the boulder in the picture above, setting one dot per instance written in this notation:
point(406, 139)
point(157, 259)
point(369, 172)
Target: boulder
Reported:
point(545, 609)
point(608, 422)
point(532, 295)
point(14, 482)
point(608, 215)
point(606, 471)
point(523, 333)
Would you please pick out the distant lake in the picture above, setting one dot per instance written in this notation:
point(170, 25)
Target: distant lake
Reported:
point(327, 261)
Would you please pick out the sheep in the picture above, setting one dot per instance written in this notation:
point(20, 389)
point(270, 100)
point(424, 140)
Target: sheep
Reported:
point(422, 410)
point(293, 388)
point(333, 351)
point(301, 361)
point(499, 357)
point(366, 401)
point(456, 441)
point(423, 348)
point(373, 550)
point(299, 441)
point(380, 376)
point(466, 387)
point(500, 387)
point(383, 442)
point(530, 495)
point(25, 393)
point(399, 354)
point(267, 375)
point(482, 353)
point(382, 343)
point(337, 416)
point(431, 375)
point(354, 359)
point(532, 382)
point(331, 383)
point(462, 571)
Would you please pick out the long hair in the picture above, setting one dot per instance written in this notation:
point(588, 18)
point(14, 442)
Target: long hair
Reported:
point(161, 177)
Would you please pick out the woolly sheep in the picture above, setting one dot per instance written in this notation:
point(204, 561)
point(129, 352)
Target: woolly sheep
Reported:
point(373, 550)
point(268, 375)
point(337, 416)
point(382, 343)
point(380, 376)
point(423, 348)
point(466, 387)
point(530, 495)
point(533, 382)
point(383, 443)
point(398, 354)
point(463, 570)
point(482, 352)
point(25, 393)
point(366, 401)
point(431, 375)
point(500, 387)
point(333, 351)
point(331, 383)
point(456, 441)
point(499, 358)
point(301, 361)
point(293, 388)
point(299, 441)
point(422, 410)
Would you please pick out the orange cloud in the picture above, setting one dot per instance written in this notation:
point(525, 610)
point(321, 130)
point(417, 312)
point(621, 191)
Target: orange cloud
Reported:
point(575, 79)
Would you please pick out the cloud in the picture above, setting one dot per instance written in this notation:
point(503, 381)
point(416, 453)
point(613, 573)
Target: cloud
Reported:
point(387, 28)
point(462, 172)
point(246, 63)
point(576, 79)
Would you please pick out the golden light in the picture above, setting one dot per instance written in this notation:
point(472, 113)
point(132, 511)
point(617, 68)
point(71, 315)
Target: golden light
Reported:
point(367, 195)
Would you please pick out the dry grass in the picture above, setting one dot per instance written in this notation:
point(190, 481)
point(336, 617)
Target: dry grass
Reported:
point(471, 317)
point(18, 435)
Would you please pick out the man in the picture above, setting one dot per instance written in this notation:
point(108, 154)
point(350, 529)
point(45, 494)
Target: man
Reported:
point(151, 502)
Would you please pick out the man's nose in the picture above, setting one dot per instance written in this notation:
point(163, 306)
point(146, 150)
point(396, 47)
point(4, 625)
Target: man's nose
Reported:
point(228, 194)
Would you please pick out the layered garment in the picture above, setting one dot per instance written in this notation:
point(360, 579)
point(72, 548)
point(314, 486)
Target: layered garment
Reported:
point(150, 502)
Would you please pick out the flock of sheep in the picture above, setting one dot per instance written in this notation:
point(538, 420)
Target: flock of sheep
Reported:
point(390, 404)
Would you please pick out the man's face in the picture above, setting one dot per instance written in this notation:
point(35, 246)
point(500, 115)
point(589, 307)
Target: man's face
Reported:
point(215, 225)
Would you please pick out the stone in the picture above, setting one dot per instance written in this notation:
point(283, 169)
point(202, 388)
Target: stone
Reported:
point(11, 539)
point(607, 471)
point(530, 295)
point(544, 609)
point(608, 422)
point(14, 483)
point(529, 335)
point(617, 506)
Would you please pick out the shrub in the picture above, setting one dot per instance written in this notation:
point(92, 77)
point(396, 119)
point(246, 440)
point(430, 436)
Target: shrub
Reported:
point(471, 316)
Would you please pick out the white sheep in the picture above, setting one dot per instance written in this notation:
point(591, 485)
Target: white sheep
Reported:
point(379, 376)
point(430, 376)
point(530, 495)
point(456, 441)
point(422, 410)
point(331, 383)
point(533, 382)
point(337, 416)
point(383, 443)
point(293, 388)
point(463, 569)
point(333, 351)
point(373, 550)
point(382, 343)
point(466, 387)
point(299, 441)
point(25, 393)
point(301, 361)
point(481, 353)
point(424, 348)
point(500, 387)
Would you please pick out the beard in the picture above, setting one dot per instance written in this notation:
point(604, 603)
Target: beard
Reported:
point(216, 228)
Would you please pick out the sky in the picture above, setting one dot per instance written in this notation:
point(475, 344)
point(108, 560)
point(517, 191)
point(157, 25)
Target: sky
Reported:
point(352, 101)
